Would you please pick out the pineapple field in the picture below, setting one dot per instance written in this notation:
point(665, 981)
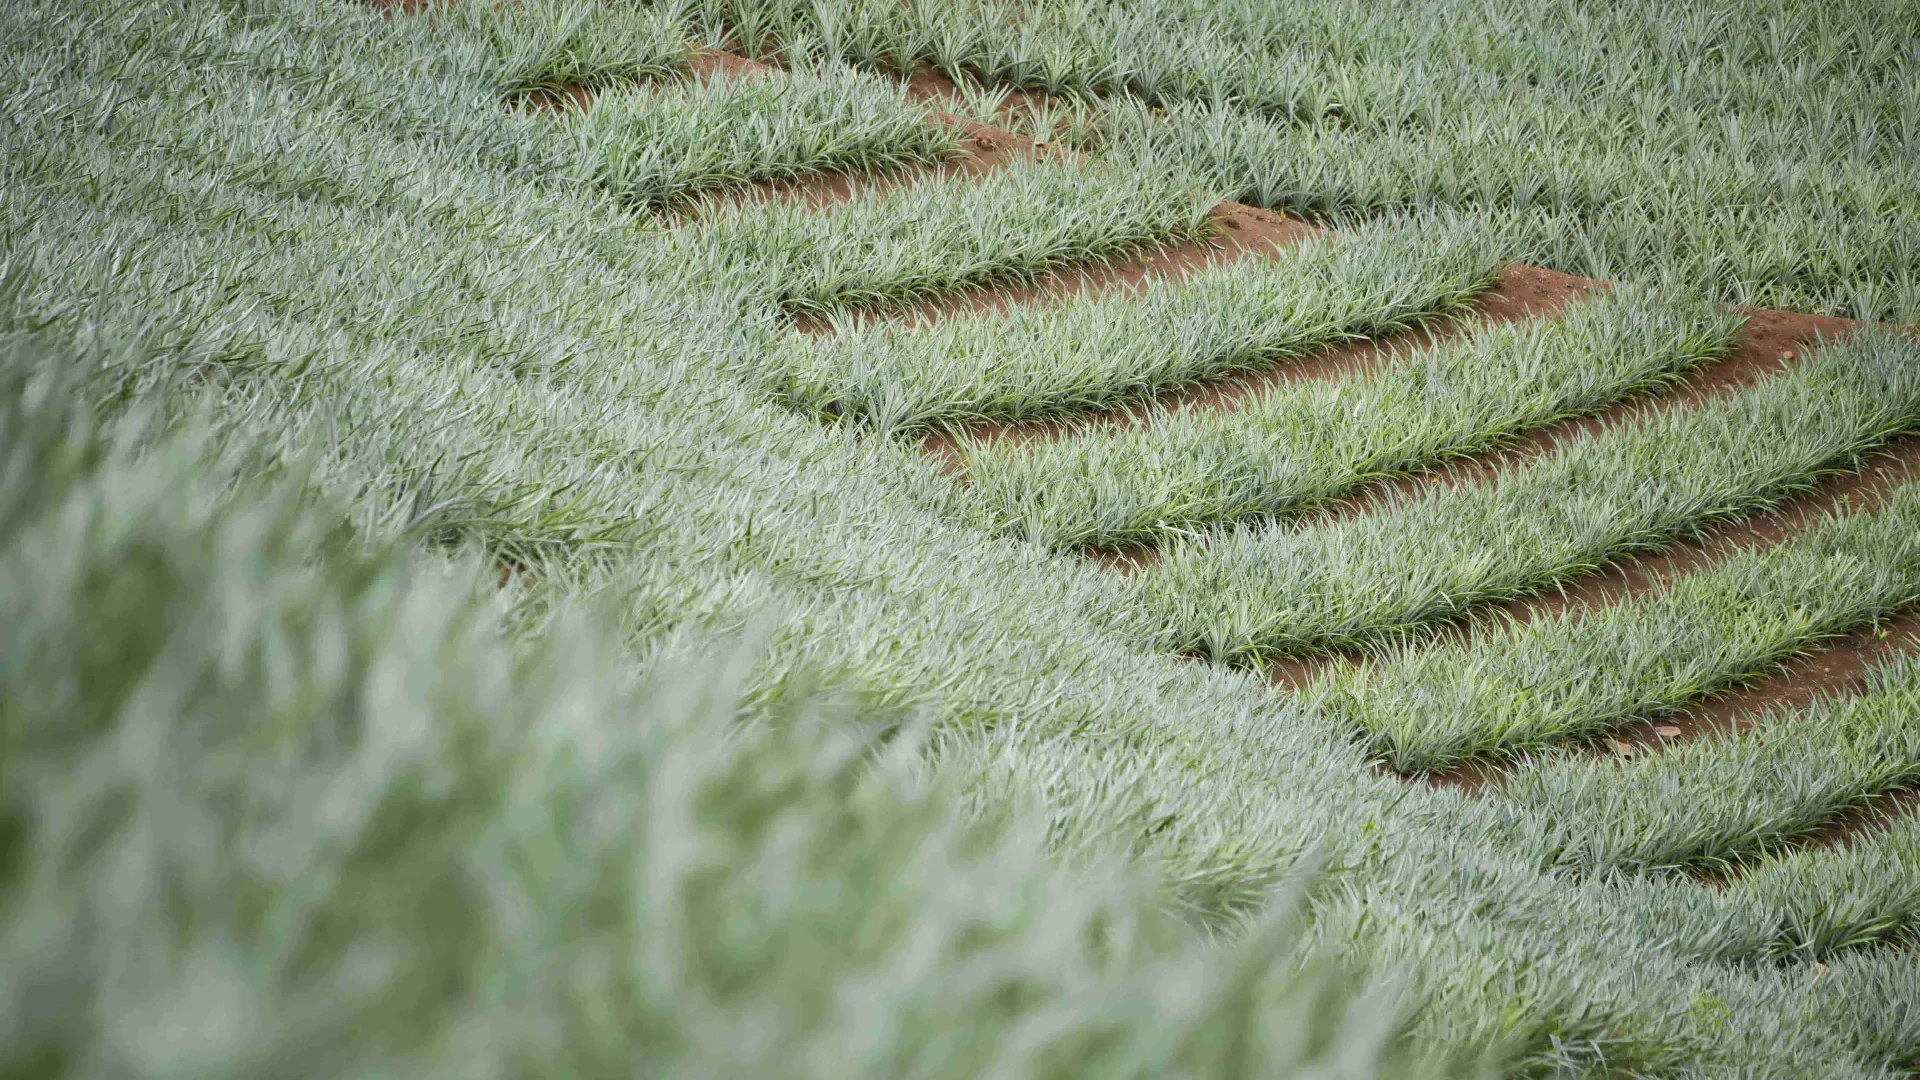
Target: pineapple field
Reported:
point(957, 538)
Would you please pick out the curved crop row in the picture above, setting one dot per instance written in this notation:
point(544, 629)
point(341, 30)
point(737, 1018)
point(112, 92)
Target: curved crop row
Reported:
point(1583, 673)
point(1722, 800)
point(1091, 352)
point(1254, 594)
point(1075, 47)
point(944, 235)
point(655, 144)
point(1811, 905)
point(550, 46)
point(1292, 448)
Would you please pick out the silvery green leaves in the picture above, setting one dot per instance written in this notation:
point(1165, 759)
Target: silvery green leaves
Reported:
point(1289, 449)
point(1260, 592)
point(1083, 352)
point(943, 235)
point(1724, 799)
point(1589, 671)
point(657, 144)
point(1155, 52)
point(535, 46)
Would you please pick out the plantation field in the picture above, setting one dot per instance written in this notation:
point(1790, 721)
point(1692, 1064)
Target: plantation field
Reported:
point(953, 538)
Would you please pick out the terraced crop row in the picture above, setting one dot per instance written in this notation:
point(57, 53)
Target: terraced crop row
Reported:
point(1418, 561)
point(1289, 450)
point(1263, 526)
point(1105, 351)
point(1587, 672)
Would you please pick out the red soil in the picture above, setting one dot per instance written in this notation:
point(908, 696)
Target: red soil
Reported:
point(708, 62)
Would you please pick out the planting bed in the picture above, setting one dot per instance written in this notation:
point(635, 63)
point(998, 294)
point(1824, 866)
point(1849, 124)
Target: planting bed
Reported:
point(1548, 643)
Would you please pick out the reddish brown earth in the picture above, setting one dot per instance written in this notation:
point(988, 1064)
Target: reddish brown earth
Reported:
point(929, 87)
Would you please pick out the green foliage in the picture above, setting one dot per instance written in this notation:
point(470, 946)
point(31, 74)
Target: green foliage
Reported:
point(1253, 594)
point(1587, 671)
point(1816, 905)
point(1049, 120)
point(1759, 150)
point(1290, 449)
point(1086, 352)
point(550, 46)
point(1722, 800)
point(1077, 47)
point(1752, 214)
point(944, 235)
point(324, 220)
point(656, 144)
point(274, 800)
